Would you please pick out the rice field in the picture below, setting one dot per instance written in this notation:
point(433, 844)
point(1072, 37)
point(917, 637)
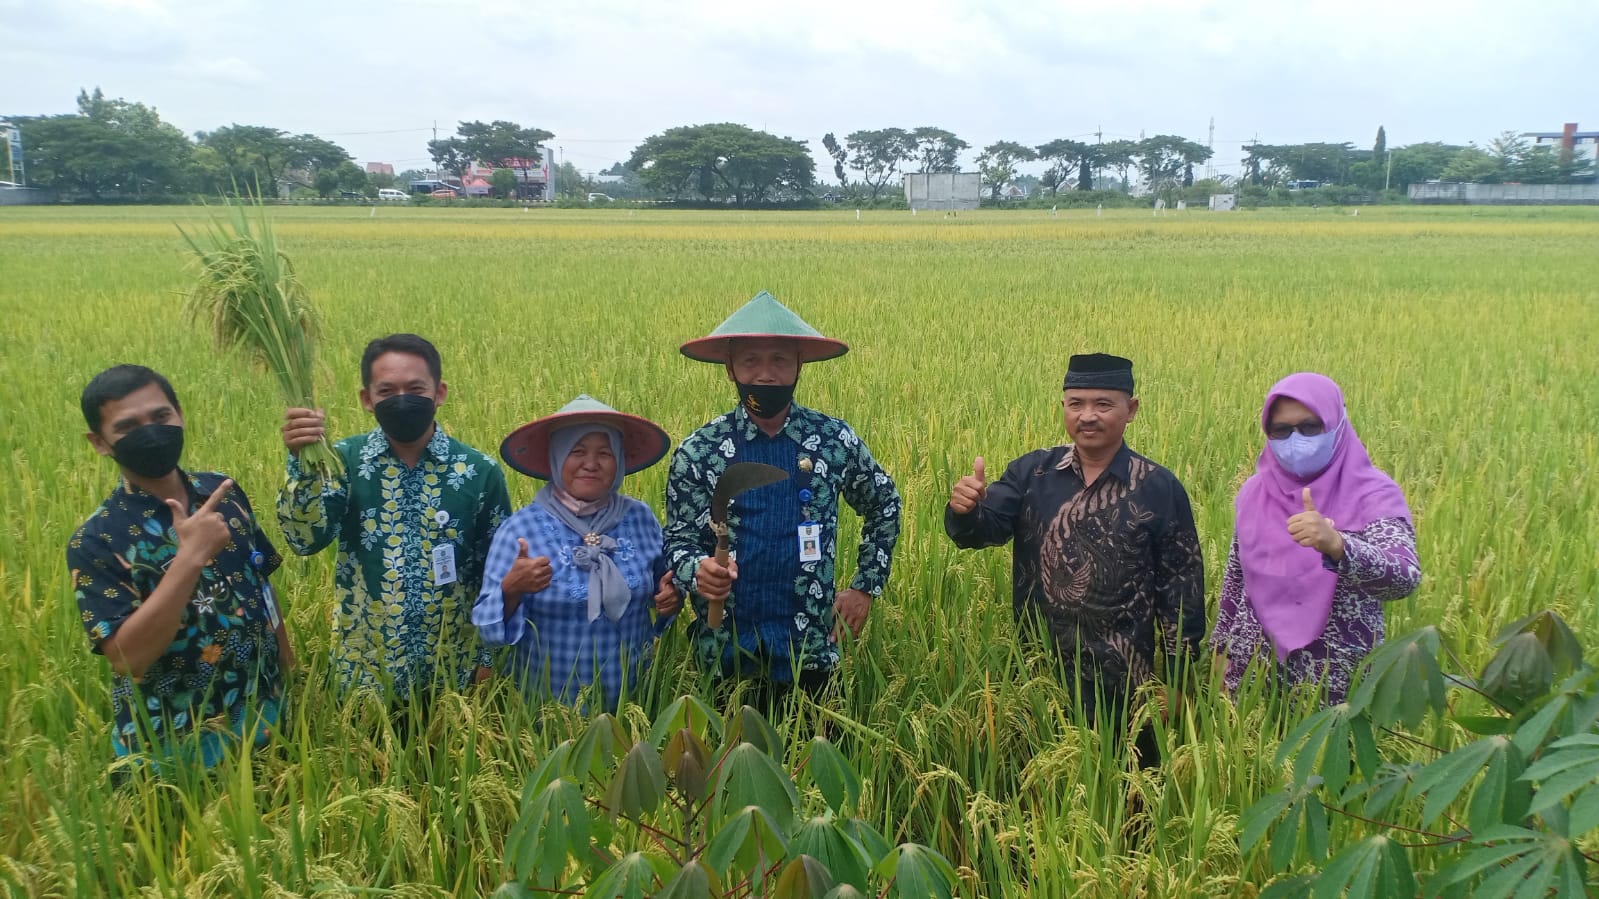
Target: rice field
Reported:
point(1467, 343)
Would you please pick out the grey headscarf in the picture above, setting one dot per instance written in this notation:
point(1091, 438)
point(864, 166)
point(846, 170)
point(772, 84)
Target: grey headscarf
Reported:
point(608, 590)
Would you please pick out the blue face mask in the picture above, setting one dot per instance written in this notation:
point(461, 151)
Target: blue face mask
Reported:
point(1305, 457)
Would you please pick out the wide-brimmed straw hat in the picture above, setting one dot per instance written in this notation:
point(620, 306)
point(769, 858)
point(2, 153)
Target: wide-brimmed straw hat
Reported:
point(527, 449)
point(764, 317)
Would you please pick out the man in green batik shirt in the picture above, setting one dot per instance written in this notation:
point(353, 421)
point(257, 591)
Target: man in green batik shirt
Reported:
point(413, 514)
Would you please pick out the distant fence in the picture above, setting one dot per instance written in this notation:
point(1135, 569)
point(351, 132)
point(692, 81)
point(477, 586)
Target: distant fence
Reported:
point(26, 196)
point(1505, 194)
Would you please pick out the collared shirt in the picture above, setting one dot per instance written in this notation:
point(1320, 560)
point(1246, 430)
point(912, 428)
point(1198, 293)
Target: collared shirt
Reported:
point(223, 662)
point(1379, 565)
point(781, 609)
point(1112, 569)
point(559, 651)
point(392, 624)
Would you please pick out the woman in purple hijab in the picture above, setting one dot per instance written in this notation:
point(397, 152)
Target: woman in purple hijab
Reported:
point(1321, 540)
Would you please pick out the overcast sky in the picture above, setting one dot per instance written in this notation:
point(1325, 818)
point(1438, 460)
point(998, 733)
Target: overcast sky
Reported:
point(604, 74)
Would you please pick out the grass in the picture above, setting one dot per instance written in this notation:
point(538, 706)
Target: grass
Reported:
point(1465, 341)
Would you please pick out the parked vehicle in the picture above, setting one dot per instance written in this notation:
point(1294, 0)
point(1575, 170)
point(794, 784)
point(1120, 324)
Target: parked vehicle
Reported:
point(389, 193)
point(444, 193)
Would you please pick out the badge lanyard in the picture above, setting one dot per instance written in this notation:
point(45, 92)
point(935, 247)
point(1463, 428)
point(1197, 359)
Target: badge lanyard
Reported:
point(809, 533)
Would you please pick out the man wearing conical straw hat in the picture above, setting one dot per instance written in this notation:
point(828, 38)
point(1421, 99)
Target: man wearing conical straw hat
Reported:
point(781, 614)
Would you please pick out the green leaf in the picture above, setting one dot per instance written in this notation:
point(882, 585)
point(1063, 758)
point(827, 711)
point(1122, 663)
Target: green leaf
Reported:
point(556, 825)
point(875, 844)
point(833, 775)
point(751, 777)
point(638, 785)
point(690, 712)
point(1442, 781)
point(1519, 862)
point(750, 726)
point(846, 859)
point(1387, 688)
point(694, 880)
point(634, 876)
point(1571, 765)
point(1520, 672)
point(1366, 755)
point(1501, 796)
point(1485, 725)
point(1584, 813)
point(598, 748)
point(1375, 867)
point(844, 891)
point(1388, 787)
point(1260, 816)
point(556, 764)
point(688, 759)
point(745, 838)
point(918, 872)
point(802, 878)
point(513, 890)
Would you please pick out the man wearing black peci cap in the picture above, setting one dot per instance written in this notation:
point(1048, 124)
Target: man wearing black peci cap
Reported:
point(1106, 556)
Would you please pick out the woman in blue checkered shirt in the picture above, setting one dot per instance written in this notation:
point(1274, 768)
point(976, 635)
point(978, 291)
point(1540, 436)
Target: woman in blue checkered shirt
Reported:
point(572, 577)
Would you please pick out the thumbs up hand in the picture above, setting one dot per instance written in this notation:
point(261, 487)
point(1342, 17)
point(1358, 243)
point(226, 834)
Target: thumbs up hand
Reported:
point(1310, 528)
point(969, 490)
point(527, 575)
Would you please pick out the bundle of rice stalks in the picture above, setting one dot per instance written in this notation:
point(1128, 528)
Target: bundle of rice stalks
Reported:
point(248, 293)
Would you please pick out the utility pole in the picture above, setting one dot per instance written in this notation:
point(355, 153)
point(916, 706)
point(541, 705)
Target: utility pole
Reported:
point(1389, 174)
point(1210, 144)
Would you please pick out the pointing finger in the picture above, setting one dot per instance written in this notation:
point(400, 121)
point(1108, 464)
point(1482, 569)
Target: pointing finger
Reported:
point(215, 498)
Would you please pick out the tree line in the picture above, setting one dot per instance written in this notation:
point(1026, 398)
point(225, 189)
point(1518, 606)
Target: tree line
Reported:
point(116, 149)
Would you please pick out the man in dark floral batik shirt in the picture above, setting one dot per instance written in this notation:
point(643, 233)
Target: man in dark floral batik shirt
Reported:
point(1106, 556)
point(171, 581)
point(782, 615)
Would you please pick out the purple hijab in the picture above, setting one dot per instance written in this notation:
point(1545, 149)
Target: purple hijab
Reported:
point(1289, 590)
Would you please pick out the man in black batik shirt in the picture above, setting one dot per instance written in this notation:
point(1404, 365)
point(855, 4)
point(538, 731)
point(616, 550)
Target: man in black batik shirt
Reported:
point(1106, 555)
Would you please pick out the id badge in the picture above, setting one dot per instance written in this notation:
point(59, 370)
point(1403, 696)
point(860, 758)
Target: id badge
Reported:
point(443, 564)
point(810, 542)
point(270, 600)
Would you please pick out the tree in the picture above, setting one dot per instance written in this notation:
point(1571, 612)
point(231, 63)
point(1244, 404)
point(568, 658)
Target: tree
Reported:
point(1380, 147)
point(1473, 164)
point(1415, 163)
point(245, 157)
point(312, 153)
point(110, 148)
point(504, 183)
point(450, 155)
point(1119, 155)
point(498, 144)
point(998, 163)
point(569, 182)
point(1165, 160)
point(724, 161)
point(1067, 158)
point(839, 155)
point(877, 155)
point(937, 150)
point(325, 181)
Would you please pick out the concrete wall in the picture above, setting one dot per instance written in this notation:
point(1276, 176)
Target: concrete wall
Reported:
point(943, 190)
point(26, 196)
point(1505, 194)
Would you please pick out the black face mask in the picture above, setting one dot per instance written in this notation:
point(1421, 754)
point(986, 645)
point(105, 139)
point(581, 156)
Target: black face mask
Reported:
point(150, 451)
point(405, 417)
point(765, 401)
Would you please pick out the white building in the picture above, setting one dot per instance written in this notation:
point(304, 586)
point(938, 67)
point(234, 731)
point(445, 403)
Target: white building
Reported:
point(1583, 145)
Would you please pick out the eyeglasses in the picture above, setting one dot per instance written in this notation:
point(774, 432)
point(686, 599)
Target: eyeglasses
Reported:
point(1281, 430)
